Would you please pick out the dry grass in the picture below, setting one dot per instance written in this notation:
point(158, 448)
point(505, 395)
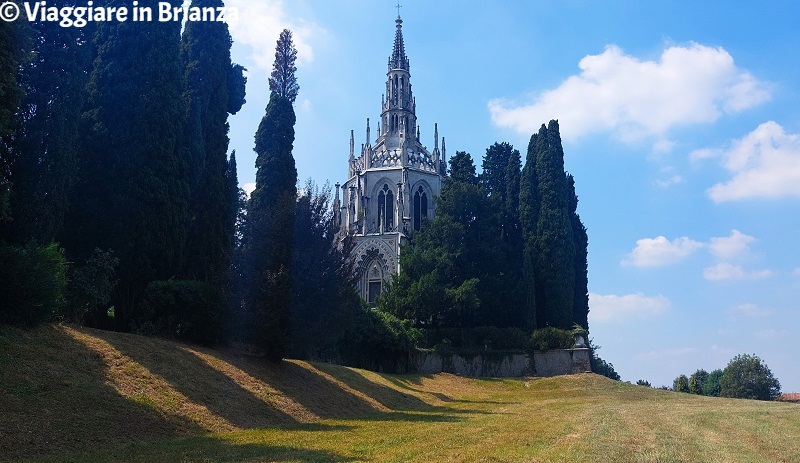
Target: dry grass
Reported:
point(84, 395)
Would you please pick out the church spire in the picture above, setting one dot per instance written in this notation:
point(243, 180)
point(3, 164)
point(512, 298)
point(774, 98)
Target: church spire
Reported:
point(398, 60)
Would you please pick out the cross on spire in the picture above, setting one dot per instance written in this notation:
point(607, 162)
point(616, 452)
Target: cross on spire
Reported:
point(398, 8)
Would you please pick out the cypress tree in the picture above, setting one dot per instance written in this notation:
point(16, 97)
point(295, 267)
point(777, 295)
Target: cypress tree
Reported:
point(580, 308)
point(528, 218)
point(12, 53)
point(46, 142)
point(555, 262)
point(462, 168)
point(271, 219)
point(136, 182)
point(213, 91)
point(282, 80)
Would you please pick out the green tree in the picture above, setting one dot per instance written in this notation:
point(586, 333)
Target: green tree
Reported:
point(134, 189)
point(283, 81)
point(711, 385)
point(13, 50)
point(643, 382)
point(46, 142)
point(215, 89)
point(555, 256)
point(270, 221)
point(748, 377)
point(33, 282)
point(580, 239)
point(681, 384)
point(528, 218)
point(697, 381)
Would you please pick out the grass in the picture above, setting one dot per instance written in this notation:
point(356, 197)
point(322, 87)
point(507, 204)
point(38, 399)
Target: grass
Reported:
point(76, 394)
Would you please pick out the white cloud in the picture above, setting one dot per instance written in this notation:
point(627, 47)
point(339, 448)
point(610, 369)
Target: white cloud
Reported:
point(730, 247)
point(727, 271)
point(764, 164)
point(666, 183)
point(259, 24)
point(635, 99)
point(657, 252)
point(609, 307)
point(249, 188)
point(771, 334)
point(666, 354)
point(751, 310)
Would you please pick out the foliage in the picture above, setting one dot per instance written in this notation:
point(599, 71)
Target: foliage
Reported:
point(476, 339)
point(379, 341)
point(134, 189)
point(600, 366)
point(681, 384)
point(643, 382)
point(213, 92)
point(748, 377)
point(269, 231)
point(90, 287)
point(711, 385)
point(549, 337)
point(188, 310)
point(32, 283)
point(282, 81)
point(697, 381)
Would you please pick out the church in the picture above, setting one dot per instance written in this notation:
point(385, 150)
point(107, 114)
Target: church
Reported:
point(391, 182)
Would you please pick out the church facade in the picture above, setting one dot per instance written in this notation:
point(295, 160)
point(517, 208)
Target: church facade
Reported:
point(391, 182)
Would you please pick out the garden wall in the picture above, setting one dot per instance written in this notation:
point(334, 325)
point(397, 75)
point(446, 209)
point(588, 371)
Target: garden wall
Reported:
point(506, 364)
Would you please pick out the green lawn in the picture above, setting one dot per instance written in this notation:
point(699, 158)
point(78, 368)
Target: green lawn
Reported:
point(73, 394)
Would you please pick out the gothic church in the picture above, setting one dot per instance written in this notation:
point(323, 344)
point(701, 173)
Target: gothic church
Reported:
point(391, 183)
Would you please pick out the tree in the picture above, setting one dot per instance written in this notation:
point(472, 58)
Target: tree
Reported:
point(697, 381)
point(711, 386)
point(215, 89)
point(748, 377)
point(270, 225)
point(681, 384)
point(528, 218)
point(580, 239)
point(45, 146)
point(282, 81)
point(133, 189)
point(643, 382)
point(12, 54)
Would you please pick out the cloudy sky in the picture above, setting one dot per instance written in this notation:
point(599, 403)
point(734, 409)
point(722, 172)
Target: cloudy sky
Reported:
point(681, 125)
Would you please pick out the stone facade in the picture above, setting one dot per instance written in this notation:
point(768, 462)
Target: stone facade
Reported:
point(392, 181)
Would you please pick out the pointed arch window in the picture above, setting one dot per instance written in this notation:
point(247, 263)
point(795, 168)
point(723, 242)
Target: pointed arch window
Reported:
point(420, 207)
point(385, 209)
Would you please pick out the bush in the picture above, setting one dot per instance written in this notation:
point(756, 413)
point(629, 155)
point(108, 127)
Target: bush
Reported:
point(600, 366)
point(548, 338)
point(379, 341)
point(89, 289)
point(748, 377)
point(681, 384)
point(643, 382)
point(188, 310)
point(476, 339)
point(32, 283)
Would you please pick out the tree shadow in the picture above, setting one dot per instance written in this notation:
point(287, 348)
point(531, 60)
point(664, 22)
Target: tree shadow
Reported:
point(56, 399)
point(202, 384)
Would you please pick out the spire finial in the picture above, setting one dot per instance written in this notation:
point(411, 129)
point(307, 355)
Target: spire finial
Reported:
point(398, 8)
point(398, 60)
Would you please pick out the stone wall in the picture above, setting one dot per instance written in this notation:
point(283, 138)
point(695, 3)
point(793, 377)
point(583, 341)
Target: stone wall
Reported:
point(506, 364)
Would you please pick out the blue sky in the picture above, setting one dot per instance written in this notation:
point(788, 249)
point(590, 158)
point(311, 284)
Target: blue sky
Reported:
point(681, 125)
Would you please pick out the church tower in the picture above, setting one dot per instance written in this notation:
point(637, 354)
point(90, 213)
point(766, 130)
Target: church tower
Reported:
point(391, 181)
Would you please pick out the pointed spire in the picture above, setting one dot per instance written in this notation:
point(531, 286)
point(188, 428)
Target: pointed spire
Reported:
point(368, 144)
point(352, 146)
point(436, 136)
point(398, 60)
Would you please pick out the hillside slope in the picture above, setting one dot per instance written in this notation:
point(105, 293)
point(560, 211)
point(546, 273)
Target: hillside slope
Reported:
point(78, 394)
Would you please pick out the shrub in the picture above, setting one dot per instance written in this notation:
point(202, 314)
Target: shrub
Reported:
point(643, 382)
point(748, 377)
point(681, 384)
point(379, 341)
point(548, 338)
point(600, 366)
point(476, 339)
point(89, 288)
point(32, 283)
point(188, 310)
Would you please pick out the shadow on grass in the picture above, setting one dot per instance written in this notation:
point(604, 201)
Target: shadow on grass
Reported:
point(198, 381)
point(55, 399)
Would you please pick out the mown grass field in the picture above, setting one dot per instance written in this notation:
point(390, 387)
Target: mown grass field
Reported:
point(75, 394)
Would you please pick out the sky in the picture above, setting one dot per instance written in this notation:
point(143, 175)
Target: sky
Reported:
point(680, 122)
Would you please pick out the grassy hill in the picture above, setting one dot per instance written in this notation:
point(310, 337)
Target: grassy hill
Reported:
point(76, 394)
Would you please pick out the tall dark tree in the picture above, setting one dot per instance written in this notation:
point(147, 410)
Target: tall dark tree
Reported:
point(12, 52)
point(46, 142)
point(555, 257)
point(215, 89)
point(134, 178)
point(462, 168)
point(271, 218)
point(282, 80)
point(528, 218)
point(580, 238)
